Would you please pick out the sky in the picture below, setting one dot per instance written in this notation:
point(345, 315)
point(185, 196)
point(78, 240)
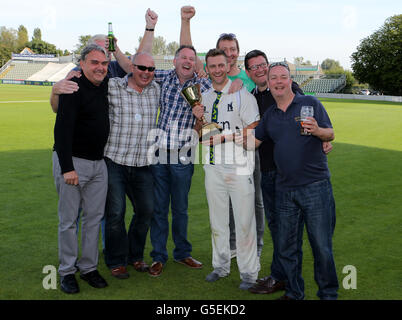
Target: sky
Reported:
point(312, 29)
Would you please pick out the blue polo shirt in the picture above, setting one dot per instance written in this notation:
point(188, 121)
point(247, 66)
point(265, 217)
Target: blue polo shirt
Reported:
point(300, 159)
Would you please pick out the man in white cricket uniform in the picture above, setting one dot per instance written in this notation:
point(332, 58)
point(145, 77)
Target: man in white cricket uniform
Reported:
point(229, 172)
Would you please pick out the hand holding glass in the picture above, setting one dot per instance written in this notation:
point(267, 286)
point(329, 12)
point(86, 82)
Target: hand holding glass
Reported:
point(306, 111)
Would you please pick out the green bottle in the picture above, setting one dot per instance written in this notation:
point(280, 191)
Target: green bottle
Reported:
point(111, 38)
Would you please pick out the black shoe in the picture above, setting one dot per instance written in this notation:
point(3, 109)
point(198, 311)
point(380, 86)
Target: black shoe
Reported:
point(94, 279)
point(69, 284)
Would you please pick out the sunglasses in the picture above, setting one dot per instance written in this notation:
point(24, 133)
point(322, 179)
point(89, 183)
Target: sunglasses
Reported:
point(280, 63)
point(143, 68)
point(227, 35)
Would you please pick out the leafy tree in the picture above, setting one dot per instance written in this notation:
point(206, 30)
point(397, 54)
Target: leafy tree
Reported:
point(172, 47)
point(377, 60)
point(159, 47)
point(43, 47)
point(8, 38)
point(5, 55)
point(329, 64)
point(299, 61)
point(8, 43)
point(22, 37)
point(37, 34)
point(82, 42)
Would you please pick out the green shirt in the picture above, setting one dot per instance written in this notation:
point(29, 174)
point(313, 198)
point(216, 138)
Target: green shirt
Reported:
point(248, 83)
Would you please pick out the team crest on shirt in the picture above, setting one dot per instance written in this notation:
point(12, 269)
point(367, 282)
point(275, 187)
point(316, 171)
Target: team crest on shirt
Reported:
point(230, 107)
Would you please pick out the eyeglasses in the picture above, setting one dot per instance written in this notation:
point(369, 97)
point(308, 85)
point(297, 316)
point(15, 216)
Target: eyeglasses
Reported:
point(255, 67)
point(280, 63)
point(143, 68)
point(227, 35)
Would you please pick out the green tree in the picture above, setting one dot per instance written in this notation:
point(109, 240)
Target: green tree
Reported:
point(22, 37)
point(8, 43)
point(377, 60)
point(8, 38)
point(329, 64)
point(159, 47)
point(82, 42)
point(172, 47)
point(43, 47)
point(37, 34)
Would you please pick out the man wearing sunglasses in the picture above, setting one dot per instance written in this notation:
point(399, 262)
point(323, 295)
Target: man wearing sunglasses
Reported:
point(175, 145)
point(133, 105)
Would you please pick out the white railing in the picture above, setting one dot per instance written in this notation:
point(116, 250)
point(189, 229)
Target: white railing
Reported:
point(359, 97)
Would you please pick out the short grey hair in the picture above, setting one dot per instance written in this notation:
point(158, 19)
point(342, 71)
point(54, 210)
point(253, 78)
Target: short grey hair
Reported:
point(96, 37)
point(92, 47)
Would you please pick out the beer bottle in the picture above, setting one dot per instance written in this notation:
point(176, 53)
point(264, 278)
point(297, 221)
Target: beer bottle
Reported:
point(111, 38)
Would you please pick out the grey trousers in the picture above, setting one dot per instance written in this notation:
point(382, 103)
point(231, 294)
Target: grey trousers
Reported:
point(259, 211)
point(90, 195)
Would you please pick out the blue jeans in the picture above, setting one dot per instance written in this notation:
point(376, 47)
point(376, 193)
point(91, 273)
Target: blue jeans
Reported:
point(122, 248)
point(314, 206)
point(171, 183)
point(268, 195)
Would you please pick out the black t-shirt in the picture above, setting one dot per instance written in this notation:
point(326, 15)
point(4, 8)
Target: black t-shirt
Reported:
point(82, 123)
point(266, 150)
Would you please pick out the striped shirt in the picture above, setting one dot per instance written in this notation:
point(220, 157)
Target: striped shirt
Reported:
point(132, 116)
point(176, 119)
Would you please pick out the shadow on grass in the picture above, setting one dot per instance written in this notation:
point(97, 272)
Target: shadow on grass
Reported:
point(367, 185)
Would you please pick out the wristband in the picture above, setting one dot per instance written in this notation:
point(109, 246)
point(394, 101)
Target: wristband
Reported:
point(149, 29)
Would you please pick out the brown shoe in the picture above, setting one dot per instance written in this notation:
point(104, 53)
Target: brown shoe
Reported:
point(190, 262)
point(141, 266)
point(267, 285)
point(156, 269)
point(120, 272)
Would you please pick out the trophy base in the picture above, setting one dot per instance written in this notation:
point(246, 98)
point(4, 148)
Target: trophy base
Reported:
point(208, 130)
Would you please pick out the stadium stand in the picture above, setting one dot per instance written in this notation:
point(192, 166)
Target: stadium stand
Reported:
point(21, 71)
point(52, 72)
point(323, 85)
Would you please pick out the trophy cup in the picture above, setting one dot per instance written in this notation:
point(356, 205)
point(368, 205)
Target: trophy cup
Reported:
point(192, 95)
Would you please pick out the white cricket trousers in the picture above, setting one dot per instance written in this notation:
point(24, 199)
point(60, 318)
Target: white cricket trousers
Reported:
point(222, 181)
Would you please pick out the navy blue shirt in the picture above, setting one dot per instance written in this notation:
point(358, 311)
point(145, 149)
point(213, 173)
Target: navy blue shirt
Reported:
point(299, 159)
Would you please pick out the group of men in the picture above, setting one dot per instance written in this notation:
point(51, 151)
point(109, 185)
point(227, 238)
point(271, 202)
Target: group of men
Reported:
point(110, 142)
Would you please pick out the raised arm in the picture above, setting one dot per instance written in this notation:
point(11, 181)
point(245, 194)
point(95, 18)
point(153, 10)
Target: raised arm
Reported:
point(123, 61)
point(187, 12)
point(151, 18)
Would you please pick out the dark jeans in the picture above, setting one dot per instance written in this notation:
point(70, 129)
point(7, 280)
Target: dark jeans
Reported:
point(122, 248)
point(268, 195)
point(314, 206)
point(172, 183)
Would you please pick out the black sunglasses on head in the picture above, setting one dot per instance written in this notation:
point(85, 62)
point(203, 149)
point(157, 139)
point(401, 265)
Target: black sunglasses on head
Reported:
point(227, 35)
point(280, 63)
point(143, 68)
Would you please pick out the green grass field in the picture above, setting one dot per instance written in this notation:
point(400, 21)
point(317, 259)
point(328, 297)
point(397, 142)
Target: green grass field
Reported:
point(366, 176)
